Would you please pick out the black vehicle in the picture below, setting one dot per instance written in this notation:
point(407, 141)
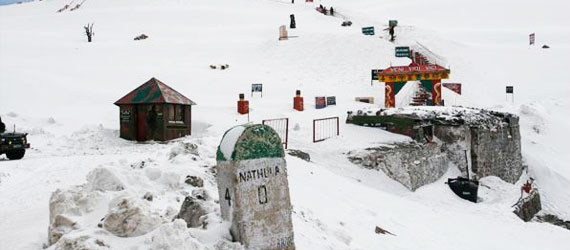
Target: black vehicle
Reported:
point(464, 188)
point(14, 145)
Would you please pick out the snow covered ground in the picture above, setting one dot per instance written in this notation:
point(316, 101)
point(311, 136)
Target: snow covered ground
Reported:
point(60, 89)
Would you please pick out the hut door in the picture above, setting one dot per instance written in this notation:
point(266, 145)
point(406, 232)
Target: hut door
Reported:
point(141, 124)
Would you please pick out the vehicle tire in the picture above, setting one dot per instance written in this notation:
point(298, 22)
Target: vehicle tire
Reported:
point(15, 154)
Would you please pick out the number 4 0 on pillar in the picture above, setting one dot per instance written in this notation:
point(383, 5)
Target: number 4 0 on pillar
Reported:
point(253, 187)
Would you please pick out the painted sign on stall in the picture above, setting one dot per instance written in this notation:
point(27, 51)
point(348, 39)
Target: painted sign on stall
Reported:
point(413, 73)
point(253, 187)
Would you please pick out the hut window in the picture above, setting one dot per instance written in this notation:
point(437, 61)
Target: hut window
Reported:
point(176, 114)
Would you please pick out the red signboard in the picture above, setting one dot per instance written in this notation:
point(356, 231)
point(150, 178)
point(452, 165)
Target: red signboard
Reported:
point(455, 87)
point(320, 102)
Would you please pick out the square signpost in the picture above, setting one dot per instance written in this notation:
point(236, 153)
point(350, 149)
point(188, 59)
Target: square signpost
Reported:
point(510, 90)
point(320, 102)
point(403, 51)
point(257, 87)
point(375, 75)
point(369, 31)
point(331, 100)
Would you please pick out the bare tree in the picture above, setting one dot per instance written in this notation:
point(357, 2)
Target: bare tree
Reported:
point(89, 32)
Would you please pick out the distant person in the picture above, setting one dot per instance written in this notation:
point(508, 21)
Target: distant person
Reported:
point(293, 25)
point(2, 126)
point(332, 11)
point(321, 9)
point(392, 33)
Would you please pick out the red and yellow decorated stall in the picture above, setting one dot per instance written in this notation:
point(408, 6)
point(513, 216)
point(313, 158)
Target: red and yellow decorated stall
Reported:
point(429, 75)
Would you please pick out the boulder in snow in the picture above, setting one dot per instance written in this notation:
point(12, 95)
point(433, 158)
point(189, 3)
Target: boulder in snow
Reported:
point(184, 148)
point(148, 196)
point(129, 217)
point(60, 226)
point(226, 245)
point(194, 181)
point(83, 242)
point(192, 212)
point(200, 194)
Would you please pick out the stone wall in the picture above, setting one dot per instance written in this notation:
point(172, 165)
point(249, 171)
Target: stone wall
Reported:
point(457, 144)
point(497, 151)
point(488, 147)
point(413, 165)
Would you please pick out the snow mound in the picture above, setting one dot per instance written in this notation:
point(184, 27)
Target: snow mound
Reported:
point(174, 236)
point(83, 242)
point(104, 179)
point(64, 205)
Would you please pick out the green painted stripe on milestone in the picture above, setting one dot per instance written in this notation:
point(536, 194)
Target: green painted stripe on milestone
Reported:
point(256, 141)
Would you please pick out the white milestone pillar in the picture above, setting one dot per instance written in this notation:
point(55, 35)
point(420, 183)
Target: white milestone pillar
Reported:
point(253, 187)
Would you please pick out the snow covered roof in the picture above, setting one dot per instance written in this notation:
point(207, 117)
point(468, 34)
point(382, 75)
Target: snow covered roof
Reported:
point(154, 91)
point(454, 115)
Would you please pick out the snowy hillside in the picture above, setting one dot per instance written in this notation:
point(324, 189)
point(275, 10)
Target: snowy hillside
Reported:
point(60, 89)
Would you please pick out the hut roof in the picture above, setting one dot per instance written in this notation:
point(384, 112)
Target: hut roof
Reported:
point(154, 91)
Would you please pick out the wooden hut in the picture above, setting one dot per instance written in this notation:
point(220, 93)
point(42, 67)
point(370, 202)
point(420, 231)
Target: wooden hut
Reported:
point(155, 111)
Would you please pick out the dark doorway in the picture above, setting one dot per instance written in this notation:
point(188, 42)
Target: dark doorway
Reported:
point(141, 123)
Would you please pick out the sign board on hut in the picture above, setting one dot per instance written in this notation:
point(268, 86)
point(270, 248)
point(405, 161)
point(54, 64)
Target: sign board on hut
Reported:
point(257, 87)
point(126, 115)
point(403, 51)
point(320, 102)
point(368, 30)
point(253, 187)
